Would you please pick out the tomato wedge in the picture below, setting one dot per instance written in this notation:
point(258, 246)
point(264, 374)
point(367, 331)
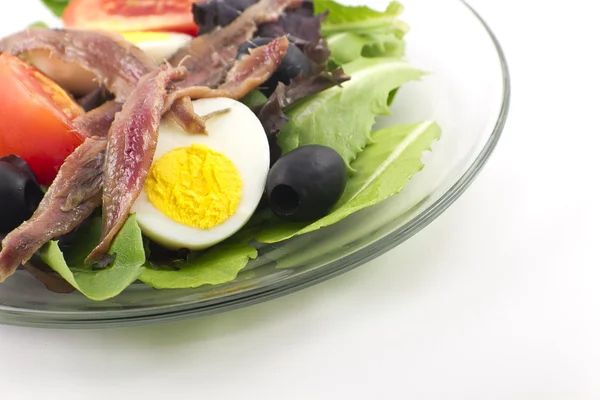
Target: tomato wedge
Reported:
point(131, 15)
point(35, 118)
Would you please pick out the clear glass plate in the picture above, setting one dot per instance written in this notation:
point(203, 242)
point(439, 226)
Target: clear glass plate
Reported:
point(467, 92)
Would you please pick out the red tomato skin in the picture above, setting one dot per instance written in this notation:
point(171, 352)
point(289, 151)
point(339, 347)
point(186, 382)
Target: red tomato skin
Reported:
point(132, 15)
point(33, 125)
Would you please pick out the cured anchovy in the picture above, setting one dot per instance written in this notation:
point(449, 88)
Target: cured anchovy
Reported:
point(131, 145)
point(247, 74)
point(117, 64)
point(72, 197)
point(97, 123)
point(208, 56)
point(182, 113)
point(53, 282)
point(75, 193)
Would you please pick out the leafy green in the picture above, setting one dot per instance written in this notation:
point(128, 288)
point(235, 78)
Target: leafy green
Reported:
point(38, 24)
point(361, 19)
point(382, 170)
point(342, 117)
point(347, 47)
point(254, 99)
point(352, 32)
point(105, 283)
point(56, 6)
point(384, 45)
point(220, 264)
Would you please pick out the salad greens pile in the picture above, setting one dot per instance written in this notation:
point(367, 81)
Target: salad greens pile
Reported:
point(369, 46)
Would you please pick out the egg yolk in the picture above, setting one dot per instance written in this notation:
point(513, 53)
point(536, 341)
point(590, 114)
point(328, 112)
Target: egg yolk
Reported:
point(195, 186)
point(143, 37)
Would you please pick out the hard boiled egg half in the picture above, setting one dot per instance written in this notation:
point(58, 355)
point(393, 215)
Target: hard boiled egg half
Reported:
point(201, 189)
point(160, 46)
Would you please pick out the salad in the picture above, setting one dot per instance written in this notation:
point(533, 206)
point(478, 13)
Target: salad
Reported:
point(160, 141)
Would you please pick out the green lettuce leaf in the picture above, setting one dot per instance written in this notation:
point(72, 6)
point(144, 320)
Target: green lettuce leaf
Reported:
point(382, 170)
point(361, 19)
point(354, 32)
point(56, 6)
point(38, 24)
point(342, 117)
point(104, 283)
point(347, 47)
point(220, 264)
point(254, 99)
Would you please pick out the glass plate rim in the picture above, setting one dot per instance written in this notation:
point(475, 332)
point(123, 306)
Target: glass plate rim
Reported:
point(77, 319)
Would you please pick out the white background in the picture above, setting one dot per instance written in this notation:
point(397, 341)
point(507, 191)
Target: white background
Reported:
point(497, 299)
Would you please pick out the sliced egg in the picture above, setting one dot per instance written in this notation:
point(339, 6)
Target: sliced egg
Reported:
point(201, 189)
point(160, 46)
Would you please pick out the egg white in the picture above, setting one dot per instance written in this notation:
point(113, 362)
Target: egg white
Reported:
point(239, 136)
point(162, 50)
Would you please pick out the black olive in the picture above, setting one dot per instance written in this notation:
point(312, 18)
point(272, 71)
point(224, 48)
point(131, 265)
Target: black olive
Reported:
point(20, 193)
point(292, 65)
point(306, 183)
